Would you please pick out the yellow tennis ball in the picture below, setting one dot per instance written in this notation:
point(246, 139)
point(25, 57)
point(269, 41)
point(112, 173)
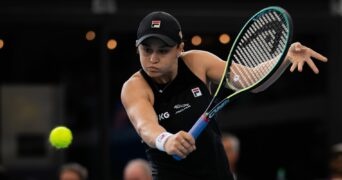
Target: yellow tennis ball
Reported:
point(60, 137)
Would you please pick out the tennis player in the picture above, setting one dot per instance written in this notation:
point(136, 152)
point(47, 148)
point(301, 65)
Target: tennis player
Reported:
point(171, 91)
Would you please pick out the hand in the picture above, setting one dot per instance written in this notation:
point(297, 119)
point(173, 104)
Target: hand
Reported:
point(299, 54)
point(180, 144)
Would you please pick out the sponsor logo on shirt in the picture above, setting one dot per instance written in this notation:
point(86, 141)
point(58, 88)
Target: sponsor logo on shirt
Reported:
point(163, 116)
point(196, 92)
point(181, 107)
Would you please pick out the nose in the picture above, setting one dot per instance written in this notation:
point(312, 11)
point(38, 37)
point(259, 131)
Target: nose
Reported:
point(154, 58)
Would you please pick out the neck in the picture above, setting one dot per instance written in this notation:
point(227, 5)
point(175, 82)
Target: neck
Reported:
point(161, 86)
point(168, 76)
point(165, 79)
point(163, 82)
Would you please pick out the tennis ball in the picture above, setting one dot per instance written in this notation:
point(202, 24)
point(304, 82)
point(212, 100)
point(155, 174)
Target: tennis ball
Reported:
point(60, 137)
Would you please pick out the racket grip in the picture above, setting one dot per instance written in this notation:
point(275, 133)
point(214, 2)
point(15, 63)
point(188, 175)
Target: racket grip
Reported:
point(198, 127)
point(176, 157)
point(196, 130)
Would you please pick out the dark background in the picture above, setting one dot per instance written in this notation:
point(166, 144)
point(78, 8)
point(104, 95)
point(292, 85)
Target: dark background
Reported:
point(77, 83)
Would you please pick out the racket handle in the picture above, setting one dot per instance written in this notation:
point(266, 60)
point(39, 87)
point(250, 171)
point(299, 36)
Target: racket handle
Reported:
point(196, 130)
point(198, 127)
point(176, 157)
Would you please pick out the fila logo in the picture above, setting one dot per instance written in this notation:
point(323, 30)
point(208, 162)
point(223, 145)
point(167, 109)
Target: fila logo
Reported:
point(163, 116)
point(155, 24)
point(196, 92)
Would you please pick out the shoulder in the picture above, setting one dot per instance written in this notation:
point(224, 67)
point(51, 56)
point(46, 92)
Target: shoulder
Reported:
point(136, 86)
point(197, 54)
point(207, 66)
point(199, 57)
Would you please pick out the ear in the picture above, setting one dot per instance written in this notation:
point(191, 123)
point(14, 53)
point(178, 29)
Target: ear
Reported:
point(181, 46)
point(180, 49)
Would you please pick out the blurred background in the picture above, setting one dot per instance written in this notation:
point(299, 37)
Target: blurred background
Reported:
point(63, 62)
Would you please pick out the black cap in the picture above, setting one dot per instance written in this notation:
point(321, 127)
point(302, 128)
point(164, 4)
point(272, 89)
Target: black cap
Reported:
point(161, 25)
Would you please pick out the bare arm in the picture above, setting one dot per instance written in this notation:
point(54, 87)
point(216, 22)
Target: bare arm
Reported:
point(137, 99)
point(244, 76)
point(138, 105)
point(298, 55)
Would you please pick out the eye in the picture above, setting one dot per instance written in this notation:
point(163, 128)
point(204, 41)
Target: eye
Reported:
point(147, 50)
point(164, 50)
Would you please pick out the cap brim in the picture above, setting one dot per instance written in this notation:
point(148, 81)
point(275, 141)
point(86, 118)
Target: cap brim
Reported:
point(166, 39)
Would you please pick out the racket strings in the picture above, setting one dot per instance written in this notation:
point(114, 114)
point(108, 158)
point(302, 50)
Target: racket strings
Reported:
point(258, 50)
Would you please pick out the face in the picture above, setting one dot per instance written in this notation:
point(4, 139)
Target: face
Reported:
point(158, 59)
point(69, 175)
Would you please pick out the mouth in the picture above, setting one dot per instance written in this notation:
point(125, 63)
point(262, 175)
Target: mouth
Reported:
point(152, 69)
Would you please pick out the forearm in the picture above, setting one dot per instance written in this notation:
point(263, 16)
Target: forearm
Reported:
point(274, 77)
point(140, 111)
point(143, 118)
point(149, 131)
point(267, 64)
point(249, 75)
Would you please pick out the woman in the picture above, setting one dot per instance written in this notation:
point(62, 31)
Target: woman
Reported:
point(165, 98)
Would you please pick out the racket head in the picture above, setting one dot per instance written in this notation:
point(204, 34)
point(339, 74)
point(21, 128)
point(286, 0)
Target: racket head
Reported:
point(266, 35)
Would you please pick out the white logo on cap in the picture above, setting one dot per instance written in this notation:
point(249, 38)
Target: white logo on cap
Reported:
point(155, 24)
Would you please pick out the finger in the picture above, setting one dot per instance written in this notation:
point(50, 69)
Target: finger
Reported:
point(317, 55)
point(180, 154)
point(313, 66)
point(185, 149)
point(300, 66)
point(189, 139)
point(185, 144)
point(293, 66)
point(188, 146)
point(182, 149)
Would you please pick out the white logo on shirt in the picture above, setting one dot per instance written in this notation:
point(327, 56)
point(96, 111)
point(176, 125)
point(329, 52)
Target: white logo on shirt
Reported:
point(164, 115)
point(181, 107)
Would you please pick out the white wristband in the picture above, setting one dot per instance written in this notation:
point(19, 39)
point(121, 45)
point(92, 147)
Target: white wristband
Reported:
point(161, 140)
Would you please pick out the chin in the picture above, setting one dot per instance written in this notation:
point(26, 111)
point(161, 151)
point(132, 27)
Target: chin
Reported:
point(153, 74)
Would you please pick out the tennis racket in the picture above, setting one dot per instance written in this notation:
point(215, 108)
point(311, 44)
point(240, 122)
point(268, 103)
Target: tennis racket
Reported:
point(255, 56)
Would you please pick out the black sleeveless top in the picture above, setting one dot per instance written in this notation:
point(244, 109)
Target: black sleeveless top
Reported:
point(178, 106)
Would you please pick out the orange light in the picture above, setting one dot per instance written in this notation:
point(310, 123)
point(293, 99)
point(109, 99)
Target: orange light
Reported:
point(196, 40)
point(224, 38)
point(90, 35)
point(2, 43)
point(112, 44)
